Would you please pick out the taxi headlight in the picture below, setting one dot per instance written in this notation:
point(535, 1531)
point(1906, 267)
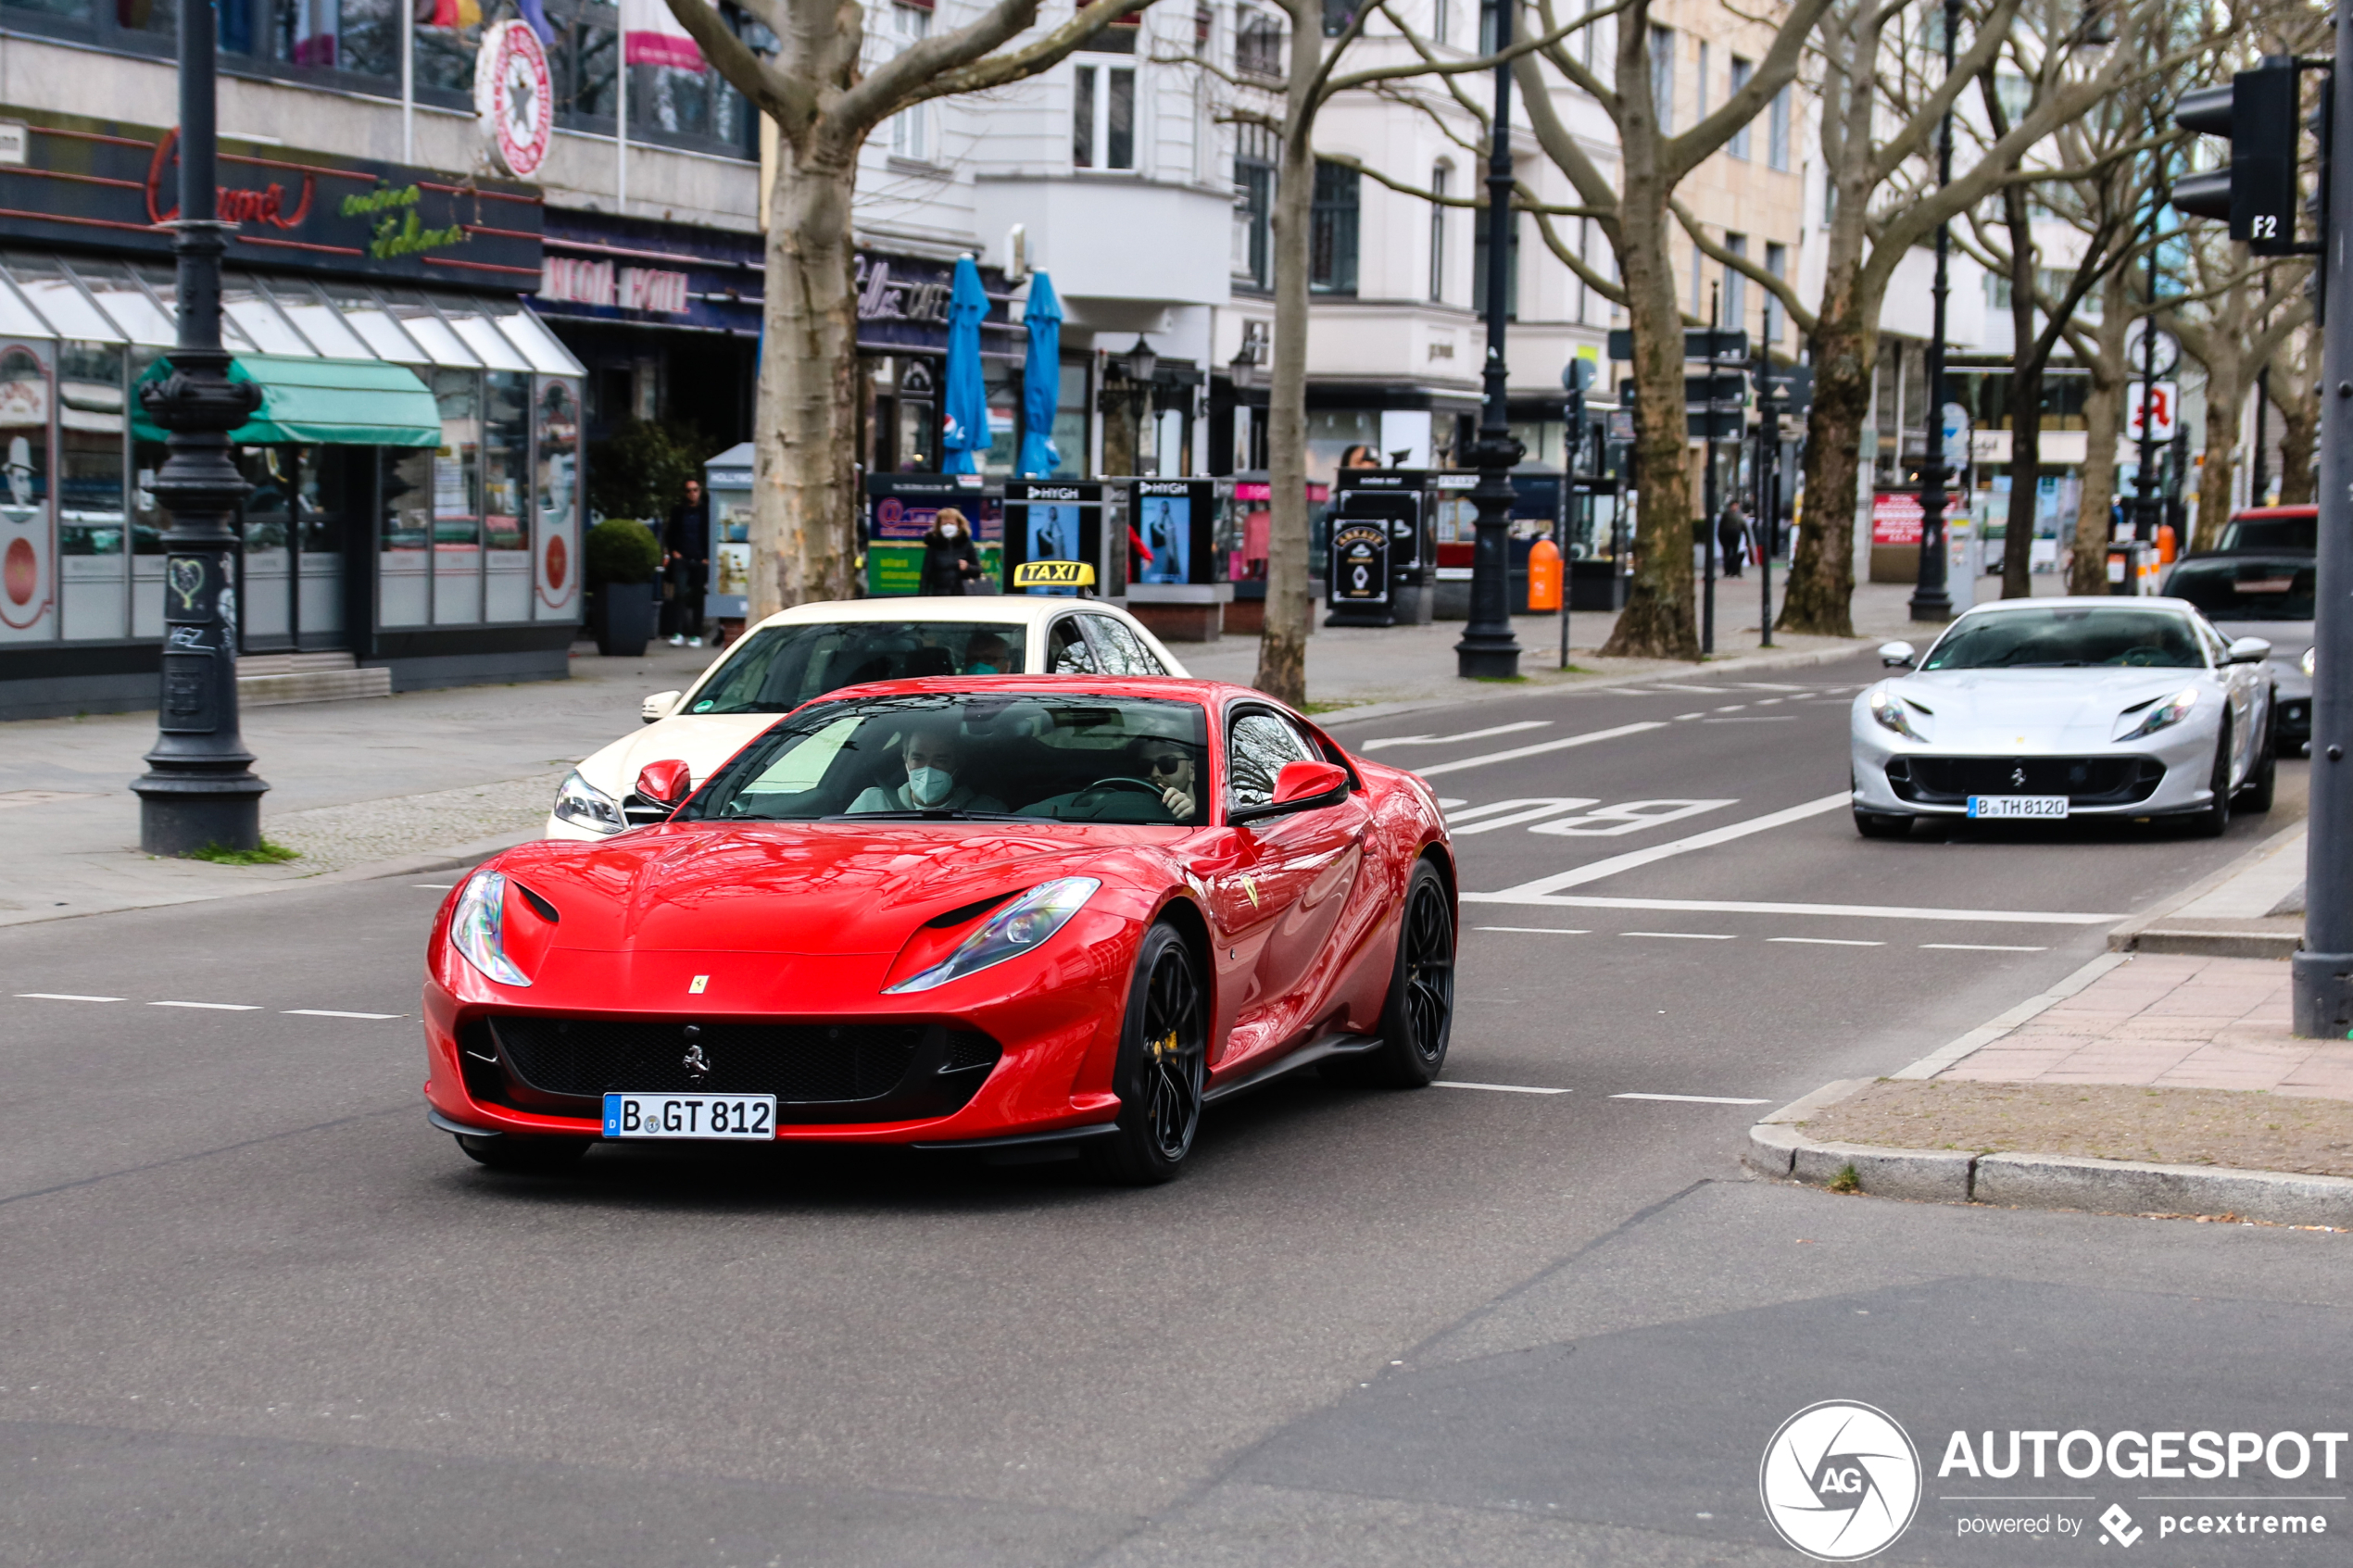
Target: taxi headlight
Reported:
point(1892, 714)
point(584, 805)
point(477, 928)
point(2136, 722)
point(1018, 928)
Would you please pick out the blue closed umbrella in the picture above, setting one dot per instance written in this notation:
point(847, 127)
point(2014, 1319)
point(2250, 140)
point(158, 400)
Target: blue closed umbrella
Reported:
point(1040, 379)
point(966, 415)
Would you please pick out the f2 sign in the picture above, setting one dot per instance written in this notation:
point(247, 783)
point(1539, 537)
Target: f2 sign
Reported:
point(2162, 404)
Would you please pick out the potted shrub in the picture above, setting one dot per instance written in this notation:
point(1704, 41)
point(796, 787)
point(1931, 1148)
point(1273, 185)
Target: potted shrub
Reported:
point(623, 559)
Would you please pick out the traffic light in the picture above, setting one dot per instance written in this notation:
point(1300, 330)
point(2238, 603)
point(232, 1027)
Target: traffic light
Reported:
point(2256, 191)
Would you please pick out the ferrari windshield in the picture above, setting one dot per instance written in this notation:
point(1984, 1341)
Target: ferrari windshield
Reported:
point(2068, 635)
point(778, 667)
point(975, 756)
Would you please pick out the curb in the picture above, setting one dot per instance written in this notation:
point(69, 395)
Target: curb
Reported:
point(1735, 664)
point(2161, 928)
point(1776, 1149)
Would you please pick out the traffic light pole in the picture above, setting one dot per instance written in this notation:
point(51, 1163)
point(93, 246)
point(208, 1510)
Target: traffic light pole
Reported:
point(2324, 971)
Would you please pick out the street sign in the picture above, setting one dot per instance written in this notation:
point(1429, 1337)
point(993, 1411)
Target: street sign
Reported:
point(2162, 406)
point(1786, 389)
point(2168, 349)
point(1720, 424)
point(1723, 345)
point(1717, 388)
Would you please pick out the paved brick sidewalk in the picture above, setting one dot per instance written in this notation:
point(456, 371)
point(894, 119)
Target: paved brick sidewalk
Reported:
point(2170, 1021)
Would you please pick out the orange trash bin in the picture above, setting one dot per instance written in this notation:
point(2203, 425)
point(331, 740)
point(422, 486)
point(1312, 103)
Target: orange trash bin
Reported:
point(1543, 576)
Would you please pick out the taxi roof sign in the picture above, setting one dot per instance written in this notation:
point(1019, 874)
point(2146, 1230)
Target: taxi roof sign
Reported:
point(1053, 574)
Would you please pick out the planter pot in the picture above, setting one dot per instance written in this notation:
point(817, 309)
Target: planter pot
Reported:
point(621, 617)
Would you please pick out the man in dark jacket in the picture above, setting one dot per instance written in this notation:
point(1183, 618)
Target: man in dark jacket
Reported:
point(685, 552)
point(1731, 539)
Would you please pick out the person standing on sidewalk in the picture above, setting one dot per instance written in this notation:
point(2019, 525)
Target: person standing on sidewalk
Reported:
point(1732, 538)
point(951, 562)
point(686, 567)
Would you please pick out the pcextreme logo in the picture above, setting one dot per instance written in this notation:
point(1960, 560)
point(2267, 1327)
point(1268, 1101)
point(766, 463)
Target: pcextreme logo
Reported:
point(1841, 1481)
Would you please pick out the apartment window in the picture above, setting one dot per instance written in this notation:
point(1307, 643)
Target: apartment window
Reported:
point(1777, 263)
point(1103, 130)
point(1331, 230)
point(1663, 77)
point(1338, 14)
point(1736, 284)
point(1741, 71)
point(1480, 249)
point(1442, 20)
point(1699, 271)
point(1486, 27)
point(1699, 110)
point(1258, 45)
point(910, 127)
point(1438, 215)
point(1777, 133)
point(1253, 204)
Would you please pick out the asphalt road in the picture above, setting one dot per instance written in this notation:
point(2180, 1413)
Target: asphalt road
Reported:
point(253, 1311)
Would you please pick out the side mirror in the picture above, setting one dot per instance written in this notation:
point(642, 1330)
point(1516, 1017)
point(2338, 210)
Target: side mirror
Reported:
point(665, 785)
point(1898, 655)
point(2248, 650)
point(658, 705)
point(1301, 787)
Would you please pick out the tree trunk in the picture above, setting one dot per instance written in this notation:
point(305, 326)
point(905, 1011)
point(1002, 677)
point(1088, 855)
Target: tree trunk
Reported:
point(2026, 479)
point(2299, 438)
point(2103, 415)
point(1283, 640)
point(804, 523)
point(2224, 394)
point(1656, 621)
point(1822, 567)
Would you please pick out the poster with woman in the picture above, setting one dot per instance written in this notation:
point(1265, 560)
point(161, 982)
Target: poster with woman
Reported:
point(1169, 534)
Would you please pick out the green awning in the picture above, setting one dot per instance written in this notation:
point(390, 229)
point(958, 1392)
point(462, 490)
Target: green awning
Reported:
point(339, 402)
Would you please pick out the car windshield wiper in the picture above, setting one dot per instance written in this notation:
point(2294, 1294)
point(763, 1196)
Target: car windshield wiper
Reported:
point(928, 814)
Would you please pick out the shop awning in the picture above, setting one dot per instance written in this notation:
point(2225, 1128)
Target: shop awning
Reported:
point(329, 402)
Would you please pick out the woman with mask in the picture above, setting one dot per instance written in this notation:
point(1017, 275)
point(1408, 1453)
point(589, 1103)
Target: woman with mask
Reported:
point(949, 559)
point(932, 757)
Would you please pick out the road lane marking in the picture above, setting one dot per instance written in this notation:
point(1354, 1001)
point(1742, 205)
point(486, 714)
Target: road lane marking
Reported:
point(1679, 717)
point(1827, 941)
point(65, 996)
point(1708, 840)
point(1769, 686)
point(1737, 907)
point(1542, 747)
point(330, 1012)
point(1687, 935)
point(1769, 701)
point(1697, 1099)
point(1756, 719)
point(1511, 813)
point(212, 1007)
point(1499, 1088)
point(1468, 735)
point(1716, 691)
point(1981, 948)
point(434, 887)
point(1541, 930)
point(1731, 708)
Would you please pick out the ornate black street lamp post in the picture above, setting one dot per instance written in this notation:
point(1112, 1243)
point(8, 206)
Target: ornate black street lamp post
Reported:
point(1931, 601)
point(1487, 649)
point(199, 789)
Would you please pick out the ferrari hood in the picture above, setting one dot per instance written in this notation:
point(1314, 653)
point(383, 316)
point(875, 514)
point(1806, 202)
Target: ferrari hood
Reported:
point(2012, 711)
point(805, 888)
point(702, 743)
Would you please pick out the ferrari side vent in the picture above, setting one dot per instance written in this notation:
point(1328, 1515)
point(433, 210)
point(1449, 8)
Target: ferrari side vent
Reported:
point(539, 906)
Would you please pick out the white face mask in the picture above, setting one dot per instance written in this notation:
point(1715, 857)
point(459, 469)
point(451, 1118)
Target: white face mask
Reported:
point(929, 786)
point(947, 531)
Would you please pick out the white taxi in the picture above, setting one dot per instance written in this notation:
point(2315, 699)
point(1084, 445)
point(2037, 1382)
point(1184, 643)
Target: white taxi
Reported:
point(813, 648)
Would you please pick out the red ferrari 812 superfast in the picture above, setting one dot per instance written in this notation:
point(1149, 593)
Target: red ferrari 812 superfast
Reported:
point(987, 913)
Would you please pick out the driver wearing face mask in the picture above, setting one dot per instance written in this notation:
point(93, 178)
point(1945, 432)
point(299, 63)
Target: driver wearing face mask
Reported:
point(988, 654)
point(934, 761)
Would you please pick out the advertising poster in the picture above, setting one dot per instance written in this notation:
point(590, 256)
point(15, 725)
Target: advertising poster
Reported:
point(1052, 534)
point(1360, 562)
point(1168, 534)
point(901, 510)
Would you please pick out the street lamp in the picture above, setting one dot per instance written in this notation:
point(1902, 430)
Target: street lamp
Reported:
point(199, 789)
point(1487, 650)
point(1929, 600)
point(1142, 365)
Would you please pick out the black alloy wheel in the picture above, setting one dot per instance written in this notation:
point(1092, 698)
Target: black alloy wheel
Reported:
point(1163, 1068)
point(2215, 820)
point(1419, 1018)
point(510, 1151)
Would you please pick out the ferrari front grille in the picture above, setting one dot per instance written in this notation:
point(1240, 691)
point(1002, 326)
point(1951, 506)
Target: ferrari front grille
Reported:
point(819, 1071)
point(2085, 781)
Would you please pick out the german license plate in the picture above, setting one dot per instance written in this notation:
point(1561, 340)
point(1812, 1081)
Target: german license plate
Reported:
point(690, 1116)
point(2017, 804)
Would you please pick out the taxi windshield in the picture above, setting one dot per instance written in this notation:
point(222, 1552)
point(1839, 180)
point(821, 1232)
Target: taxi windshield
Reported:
point(778, 667)
point(975, 756)
point(2064, 637)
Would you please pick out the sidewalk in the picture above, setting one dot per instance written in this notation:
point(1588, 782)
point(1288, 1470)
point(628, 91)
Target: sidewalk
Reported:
point(2147, 1082)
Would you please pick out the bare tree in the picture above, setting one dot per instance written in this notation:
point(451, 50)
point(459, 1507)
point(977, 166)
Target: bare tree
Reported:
point(826, 101)
point(2102, 351)
point(2295, 392)
point(2240, 314)
point(1880, 113)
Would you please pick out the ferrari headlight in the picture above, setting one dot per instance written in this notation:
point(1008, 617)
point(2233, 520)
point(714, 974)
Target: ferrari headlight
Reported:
point(1018, 928)
point(2305, 664)
point(1892, 714)
point(584, 805)
point(477, 927)
point(2162, 716)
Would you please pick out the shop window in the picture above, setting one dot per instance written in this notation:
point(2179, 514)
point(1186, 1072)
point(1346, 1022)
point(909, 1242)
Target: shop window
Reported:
point(265, 567)
point(506, 455)
point(25, 577)
point(456, 500)
point(1331, 230)
point(556, 552)
point(92, 572)
point(1001, 378)
point(1102, 128)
